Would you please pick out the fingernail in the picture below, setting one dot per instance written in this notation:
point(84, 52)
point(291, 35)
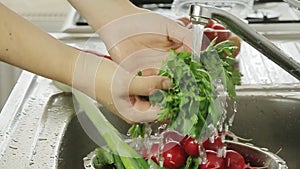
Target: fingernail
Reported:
point(166, 84)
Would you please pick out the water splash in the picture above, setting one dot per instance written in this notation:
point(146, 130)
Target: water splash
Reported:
point(198, 30)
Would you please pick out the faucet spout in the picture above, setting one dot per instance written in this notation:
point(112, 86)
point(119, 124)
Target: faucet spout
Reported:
point(200, 14)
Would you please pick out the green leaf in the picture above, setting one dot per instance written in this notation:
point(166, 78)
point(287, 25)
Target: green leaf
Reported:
point(137, 130)
point(103, 157)
point(118, 162)
point(192, 163)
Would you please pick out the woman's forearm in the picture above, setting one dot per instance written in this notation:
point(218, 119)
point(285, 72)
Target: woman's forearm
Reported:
point(107, 10)
point(24, 45)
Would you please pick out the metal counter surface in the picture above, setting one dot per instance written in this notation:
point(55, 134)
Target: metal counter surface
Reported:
point(31, 122)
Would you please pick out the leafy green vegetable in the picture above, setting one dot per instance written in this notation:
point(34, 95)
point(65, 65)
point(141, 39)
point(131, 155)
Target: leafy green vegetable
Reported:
point(192, 103)
point(188, 106)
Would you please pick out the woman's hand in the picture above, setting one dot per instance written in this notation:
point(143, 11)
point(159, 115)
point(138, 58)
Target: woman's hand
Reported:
point(146, 34)
point(134, 35)
point(117, 89)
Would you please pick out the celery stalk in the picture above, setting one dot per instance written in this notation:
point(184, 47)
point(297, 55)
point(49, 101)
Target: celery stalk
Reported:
point(129, 157)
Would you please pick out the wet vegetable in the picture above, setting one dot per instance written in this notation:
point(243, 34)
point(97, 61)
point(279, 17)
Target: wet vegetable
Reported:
point(124, 155)
point(213, 161)
point(104, 158)
point(191, 146)
point(174, 155)
point(191, 100)
point(172, 136)
point(216, 30)
point(234, 160)
point(213, 145)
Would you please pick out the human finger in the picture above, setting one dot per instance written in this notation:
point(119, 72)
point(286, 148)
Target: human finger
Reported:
point(145, 85)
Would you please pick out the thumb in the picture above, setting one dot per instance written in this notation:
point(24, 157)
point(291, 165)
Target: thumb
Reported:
point(145, 85)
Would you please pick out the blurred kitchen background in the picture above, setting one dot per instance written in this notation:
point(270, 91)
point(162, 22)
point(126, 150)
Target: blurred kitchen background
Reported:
point(274, 18)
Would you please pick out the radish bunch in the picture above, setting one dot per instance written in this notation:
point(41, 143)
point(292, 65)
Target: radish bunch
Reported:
point(176, 148)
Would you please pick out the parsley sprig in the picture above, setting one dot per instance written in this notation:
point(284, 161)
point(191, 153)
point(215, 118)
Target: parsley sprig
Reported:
point(192, 102)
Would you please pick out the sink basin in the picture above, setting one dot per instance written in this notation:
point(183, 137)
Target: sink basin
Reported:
point(266, 115)
point(39, 127)
point(271, 118)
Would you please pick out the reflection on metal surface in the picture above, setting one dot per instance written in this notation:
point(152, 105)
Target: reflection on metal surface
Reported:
point(198, 13)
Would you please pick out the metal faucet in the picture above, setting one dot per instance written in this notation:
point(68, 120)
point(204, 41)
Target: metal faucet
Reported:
point(201, 14)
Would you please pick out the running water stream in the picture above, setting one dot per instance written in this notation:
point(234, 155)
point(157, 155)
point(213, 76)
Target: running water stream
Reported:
point(198, 31)
point(221, 97)
point(220, 105)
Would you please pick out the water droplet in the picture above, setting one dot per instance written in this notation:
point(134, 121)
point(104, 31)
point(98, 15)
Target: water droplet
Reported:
point(13, 147)
point(42, 139)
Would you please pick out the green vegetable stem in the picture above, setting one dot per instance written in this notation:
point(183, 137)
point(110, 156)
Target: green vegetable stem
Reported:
point(129, 157)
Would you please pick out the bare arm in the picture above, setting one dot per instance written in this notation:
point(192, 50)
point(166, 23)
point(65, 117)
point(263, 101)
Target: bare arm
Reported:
point(24, 45)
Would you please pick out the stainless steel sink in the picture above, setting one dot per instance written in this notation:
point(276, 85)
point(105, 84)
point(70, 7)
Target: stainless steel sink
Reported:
point(270, 117)
point(39, 128)
point(267, 115)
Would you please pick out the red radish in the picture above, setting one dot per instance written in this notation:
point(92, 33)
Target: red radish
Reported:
point(210, 34)
point(144, 153)
point(217, 30)
point(153, 158)
point(182, 141)
point(154, 149)
point(174, 156)
point(215, 145)
point(210, 23)
point(172, 136)
point(222, 36)
point(234, 160)
point(191, 146)
point(212, 161)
